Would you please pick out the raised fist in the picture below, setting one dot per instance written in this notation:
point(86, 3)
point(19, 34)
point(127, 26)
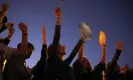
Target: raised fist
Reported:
point(10, 27)
point(119, 45)
point(57, 12)
point(9, 24)
point(102, 38)
point(23, 27)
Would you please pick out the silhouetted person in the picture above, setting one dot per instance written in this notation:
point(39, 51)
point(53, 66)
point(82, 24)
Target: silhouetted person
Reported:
point(125, 73)
point(82, 67)
point(38, 71)
point(15, 68)
point(56, 64)
point(113, 68)
point(101, 66)
point(6, 42)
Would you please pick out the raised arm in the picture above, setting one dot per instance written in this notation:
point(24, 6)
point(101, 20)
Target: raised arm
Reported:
point(56, 38)
point(44, 53)
point(102, 42)
point(40, 66)
point(119, 49)
point(24, 42)
point(103, 57)
point(74, 51)
point(13, 52)
point(111, 66)
point(99, 68)
point(81, 53)
point(102, 65)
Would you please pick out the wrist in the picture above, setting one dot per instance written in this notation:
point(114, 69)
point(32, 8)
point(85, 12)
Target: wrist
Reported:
point(103, 46)
point(25, 33)
point(118, 50)
point(57, 22)
point(58, 17)
point(82, 40)
point(44, 42)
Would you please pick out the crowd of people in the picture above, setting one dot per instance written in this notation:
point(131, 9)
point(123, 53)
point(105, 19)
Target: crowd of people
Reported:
point(52, 65)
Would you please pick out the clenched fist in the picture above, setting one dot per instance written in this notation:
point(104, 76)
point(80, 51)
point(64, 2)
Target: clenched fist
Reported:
point(102, 38)
point(119, 45)
point(58, 12)
point(10, 27)
point(23, 27)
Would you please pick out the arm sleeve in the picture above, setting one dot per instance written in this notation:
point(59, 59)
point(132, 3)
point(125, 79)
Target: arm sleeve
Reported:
point(100, 67)
point(57, 32)
point(116, 56)
point(40, 66)
point(74, 52)
point(113, 64)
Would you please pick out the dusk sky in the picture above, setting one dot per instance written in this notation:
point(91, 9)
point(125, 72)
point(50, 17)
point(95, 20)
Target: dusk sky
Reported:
point(114, 17)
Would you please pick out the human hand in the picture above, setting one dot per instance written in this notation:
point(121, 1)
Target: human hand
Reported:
point(102, 38)
point(23, 27)
point(10, 27)
point(119, 45)
point(58, 12)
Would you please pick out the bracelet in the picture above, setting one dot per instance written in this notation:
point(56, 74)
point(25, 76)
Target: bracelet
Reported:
point(25, 34)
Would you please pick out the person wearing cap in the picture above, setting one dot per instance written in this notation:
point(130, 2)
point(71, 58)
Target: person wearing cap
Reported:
point(15, 68)
point(9, 51)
